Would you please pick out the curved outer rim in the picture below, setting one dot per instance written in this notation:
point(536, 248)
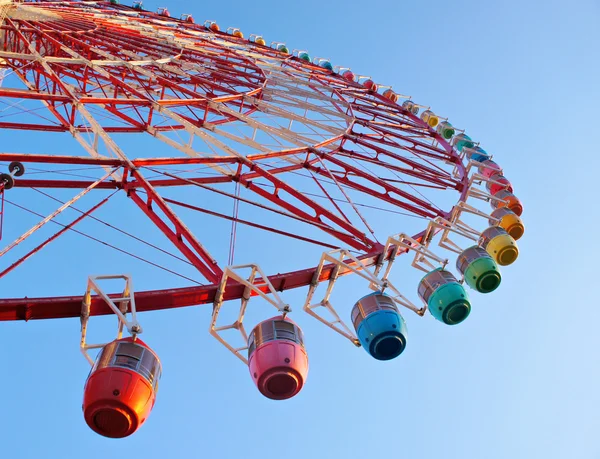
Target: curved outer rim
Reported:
point(152, 300)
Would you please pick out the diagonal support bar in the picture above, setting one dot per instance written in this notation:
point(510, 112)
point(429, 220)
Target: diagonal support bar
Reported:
point(255, 284)
point(194, 251)
point(345, 262)
point(120, 306)
point(51, 238)
point(66, 205)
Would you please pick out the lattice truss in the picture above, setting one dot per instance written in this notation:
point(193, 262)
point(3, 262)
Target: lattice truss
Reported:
point(435, 248)
point(236, 133)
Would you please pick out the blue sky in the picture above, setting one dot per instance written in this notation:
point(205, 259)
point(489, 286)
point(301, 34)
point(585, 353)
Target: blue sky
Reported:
point(518, 379)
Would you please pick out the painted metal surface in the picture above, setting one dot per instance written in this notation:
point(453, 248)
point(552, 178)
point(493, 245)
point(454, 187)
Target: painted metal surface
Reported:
point(163, 77)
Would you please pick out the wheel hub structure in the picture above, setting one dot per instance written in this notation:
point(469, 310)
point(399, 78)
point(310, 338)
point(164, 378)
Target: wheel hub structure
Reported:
point(200, 148)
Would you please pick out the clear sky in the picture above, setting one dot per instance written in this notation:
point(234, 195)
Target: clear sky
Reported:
point(518, 379)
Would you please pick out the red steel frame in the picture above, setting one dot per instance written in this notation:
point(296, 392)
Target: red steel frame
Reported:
point(385, 137)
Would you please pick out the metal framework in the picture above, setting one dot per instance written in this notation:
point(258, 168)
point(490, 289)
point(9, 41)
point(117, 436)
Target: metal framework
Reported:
point(241, 115)
point(344, 263)
point(120, 306)
point(256, 283)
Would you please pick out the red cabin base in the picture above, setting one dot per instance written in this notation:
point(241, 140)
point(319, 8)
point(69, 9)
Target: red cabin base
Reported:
point(121, 388)
point(277, 359)
point(116, 402)
point(279, 369)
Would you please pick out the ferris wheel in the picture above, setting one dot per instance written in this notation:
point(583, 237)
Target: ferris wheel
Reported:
point(261, 167)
